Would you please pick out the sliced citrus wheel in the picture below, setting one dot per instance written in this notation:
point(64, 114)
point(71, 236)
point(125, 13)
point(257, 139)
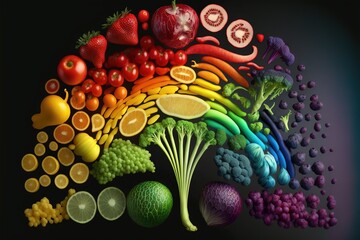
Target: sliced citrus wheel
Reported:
point(79, 172)
point(45, 180)
point(133, 122)
point(52, 86)
point(65, 156)
point(64, 133)
point(32, 185)
point(29, 162)
point(61, 181)
point(76, 104)
point(81, 207)
point(39, 149)
point(111, 203)
point(50, 165)
point(97, 122)
point(53, 146)
point(42, 137)
point(183, 74)
point(80, 120)
point(182, 106)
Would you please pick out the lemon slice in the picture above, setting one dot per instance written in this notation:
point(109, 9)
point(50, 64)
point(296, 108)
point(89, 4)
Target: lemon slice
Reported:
point(182, 106)
point(50, 165)
point(111, 203)
point(42, 137)
point(32, 185)
point(80, 120)
point(61, 181)
point(79, 172)
point(29, 162)
point(39, 149)
point(97, 122)
point(66, 156)
point(81, 207)
point(133, 122)
point(45, 180)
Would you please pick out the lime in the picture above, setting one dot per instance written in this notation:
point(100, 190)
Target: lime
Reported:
point(149, 203)
point(111, 203)
point(81, 207)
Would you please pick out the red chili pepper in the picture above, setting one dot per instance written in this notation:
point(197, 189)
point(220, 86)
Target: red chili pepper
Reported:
point(162, 70)
point(221, 53)
point(208, 39)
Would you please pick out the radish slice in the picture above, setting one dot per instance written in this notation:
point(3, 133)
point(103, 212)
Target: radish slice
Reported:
point(239, 33)
point(213, 17)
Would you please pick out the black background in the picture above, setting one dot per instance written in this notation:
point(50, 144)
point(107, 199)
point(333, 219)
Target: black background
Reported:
point(36, 35)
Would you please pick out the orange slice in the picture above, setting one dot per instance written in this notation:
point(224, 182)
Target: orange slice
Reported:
point(79, 172)
point(65, 156)
point(80, 120)
point(61, 181)
point(42, 137)
point(53, 146)
point(29, 162)
point(64, 133)
point(76, 104)
point(39, 149)
point(183, 74)
point(182, 106)
point(97, 122)
point(50, 165)
point(44, 180)
point(133, 122)
point(52, 86)
point(32, 185)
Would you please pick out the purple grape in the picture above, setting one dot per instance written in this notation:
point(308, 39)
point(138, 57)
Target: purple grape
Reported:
point(292, 94)
point(314, 98)
point(298, 116)
point(294, 183)
point(302, 86)
point(278, 68)
point(299, 158)
point(318, 167)
point(316, 105)
point(327, 125)
point(294, 124)
point(332, 221)
point(320, 181)
point(307, 183)
point(308, 117)
point(287, 70)
point(313, 152)
point(312, 135)
point(317, 116)
point(331, 204)
point(301, 97)
point(322, 149)
point(331, 150)
point(299, 77)
point(322, 192)
point(283, 104)
point(301, 67)
point(303, 130)
point(323, 135)
point(305, 169)
point(317, 127)
point(298, 106)
point(305, 141)
point(312, 201)
point(311, 84)
point(333, 181)
point(331, 168)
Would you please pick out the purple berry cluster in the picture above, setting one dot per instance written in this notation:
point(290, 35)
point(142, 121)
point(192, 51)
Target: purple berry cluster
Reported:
point(291, 210)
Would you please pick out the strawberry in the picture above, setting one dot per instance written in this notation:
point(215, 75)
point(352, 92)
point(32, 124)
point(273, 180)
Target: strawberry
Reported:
point(122, 28)
point(92, 47)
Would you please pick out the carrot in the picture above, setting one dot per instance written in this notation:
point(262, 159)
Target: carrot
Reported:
point(159, 84)
point(228, 69)
point(208, 38)
point(162, 70)
point(221, 53)
point(143, 79)
point(211, 68)
point(149, 82)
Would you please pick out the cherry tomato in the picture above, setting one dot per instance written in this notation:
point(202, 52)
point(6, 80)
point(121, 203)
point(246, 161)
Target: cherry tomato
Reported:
point(154, 53)
point(147, 68)
point(180, 58)
point(92, 103)
point(87, 85)
point(117, 60)
point(145, 26)
point(99, 75)
point(115, 78)
point(109, 100)
point(163, 59)
point(130, 72)
point(79, 96)
point(72, 70)
point(143, 16)
point(141, 56)
point(96, 90)
point(147, 42)
point(120, 92)
point(170, 52)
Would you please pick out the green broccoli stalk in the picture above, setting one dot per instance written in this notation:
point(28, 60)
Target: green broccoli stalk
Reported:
point(246, 103)
point(269, 84)
point(285, 119)
point(230, 88)
point(183, 152)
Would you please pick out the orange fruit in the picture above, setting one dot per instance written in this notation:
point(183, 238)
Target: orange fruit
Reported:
point(50, 165)
point(79, 172)
point(80, 120)
point(53, 146)
point(64, 133)
point(109, 100)
point(29, 162)
point(97, 122)
point(120, 92)
point(42, 137)
point(65, 156)
point(44, 180)
point(61, 181)
point(39, 149)
point(75, 104)
point(173, 105)
point(183, 74)
point(133, 122)
point(32, 185)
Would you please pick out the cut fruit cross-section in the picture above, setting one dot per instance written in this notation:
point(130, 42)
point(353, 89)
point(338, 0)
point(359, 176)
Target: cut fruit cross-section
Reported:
point(97, 122)
point(50, 165)
point(182, 106)
point(111, 203)
point(133, 122)
point(61, 181)
point(29, 162)
point(42, 137)
point(81, 207)
point(64, 133)
point(183, 74)
point(32, 185)
point(80, 120)
point(66, 156)
point(79, 172)
point(44, 180)
point(39, 149)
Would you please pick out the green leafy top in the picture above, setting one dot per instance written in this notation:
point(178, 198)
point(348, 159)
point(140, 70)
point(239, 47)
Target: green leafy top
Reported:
point(85, 38)
point(111, 19)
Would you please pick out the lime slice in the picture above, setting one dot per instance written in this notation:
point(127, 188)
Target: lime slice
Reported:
point(111, 203)
point(81, 207)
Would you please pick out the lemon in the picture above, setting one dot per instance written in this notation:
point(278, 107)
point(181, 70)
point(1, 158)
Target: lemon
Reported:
point(111, 203)
point(133, 122)
point(81, 207)
point(182, 106)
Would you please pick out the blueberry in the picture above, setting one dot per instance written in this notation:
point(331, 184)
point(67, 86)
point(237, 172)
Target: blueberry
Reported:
point(301, 67)
point(283, 104)
point(293, 94)
point(299, 77)
point(302, 87)
point(301, 97)
point(311, 84)
point(313, 152)
point(318, 167)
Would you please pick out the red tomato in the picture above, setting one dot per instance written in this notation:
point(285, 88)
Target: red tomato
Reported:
point(163, 59)
point(154, 53)
point(87, 85)
point(147, 42)
point(72, 70)
point(115, 78)
point(96, 90)
point(99, 75)
point(147, 68)
point(92, 103)
point(117, 60)
point(180, 58)
point(79, 96)
point(141, 56)
point(143, 16)
point(170, 52)
point(130, 72)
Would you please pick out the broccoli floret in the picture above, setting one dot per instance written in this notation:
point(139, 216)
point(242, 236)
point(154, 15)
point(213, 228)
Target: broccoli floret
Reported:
point(285, 120)
point(237, 142)
point(183, 152)
point(253, 117)
point(230, 88)
point(266, 131)
point(256, 126)
point(122, 157)
point(220, 136)
point(269, 109)
point(246, 103)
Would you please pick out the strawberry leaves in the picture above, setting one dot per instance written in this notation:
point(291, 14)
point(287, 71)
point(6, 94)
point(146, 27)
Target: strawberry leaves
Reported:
point(122, 28)
point(92, 47)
